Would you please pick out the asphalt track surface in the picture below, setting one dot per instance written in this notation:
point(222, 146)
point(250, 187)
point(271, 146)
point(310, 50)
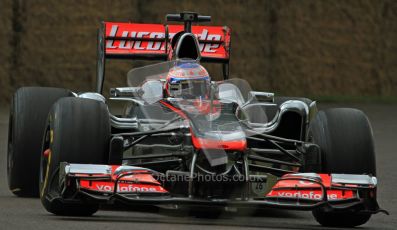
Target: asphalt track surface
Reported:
point(27, 213)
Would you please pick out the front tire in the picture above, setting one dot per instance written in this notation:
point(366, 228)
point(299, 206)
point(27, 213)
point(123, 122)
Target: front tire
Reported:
point(78, 131)
point(346, 142)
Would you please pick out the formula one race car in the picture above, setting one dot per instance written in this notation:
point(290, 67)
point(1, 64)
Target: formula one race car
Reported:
point(185, 140)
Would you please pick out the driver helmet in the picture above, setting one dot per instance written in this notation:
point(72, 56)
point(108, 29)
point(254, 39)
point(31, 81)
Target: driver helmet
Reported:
point(187, 80)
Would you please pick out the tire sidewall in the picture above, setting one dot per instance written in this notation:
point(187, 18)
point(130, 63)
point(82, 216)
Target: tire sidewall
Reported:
point(28, 112)
point(64, 147)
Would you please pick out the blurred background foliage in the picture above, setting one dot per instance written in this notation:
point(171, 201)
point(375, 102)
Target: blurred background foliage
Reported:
point(327, 50)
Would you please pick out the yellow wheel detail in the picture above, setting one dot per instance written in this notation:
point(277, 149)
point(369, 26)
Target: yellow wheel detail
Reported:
point(46, 175)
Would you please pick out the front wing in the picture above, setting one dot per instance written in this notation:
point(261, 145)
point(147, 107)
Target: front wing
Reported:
point(141, 186)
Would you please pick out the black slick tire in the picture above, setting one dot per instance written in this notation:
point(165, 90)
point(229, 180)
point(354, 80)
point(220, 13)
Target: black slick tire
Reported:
point(78, 131)
point(346, 142)
point(28, 113)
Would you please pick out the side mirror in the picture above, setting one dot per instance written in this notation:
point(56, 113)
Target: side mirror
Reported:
point(125, 91)
point(256, 96)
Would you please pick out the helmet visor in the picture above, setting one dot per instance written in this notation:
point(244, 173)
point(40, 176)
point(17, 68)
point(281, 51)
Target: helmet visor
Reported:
point(190, 89)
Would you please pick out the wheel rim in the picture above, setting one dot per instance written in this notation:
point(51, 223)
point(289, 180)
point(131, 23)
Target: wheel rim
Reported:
point(44, 159)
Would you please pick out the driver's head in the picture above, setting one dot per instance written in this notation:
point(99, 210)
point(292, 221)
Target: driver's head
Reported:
point(188, 80)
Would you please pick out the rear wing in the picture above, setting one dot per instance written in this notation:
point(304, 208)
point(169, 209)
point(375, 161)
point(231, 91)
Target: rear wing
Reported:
point(118, 40)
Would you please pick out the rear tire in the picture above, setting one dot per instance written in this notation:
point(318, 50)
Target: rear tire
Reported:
point(78, 131)
point(28, 114)
point(347, 146)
